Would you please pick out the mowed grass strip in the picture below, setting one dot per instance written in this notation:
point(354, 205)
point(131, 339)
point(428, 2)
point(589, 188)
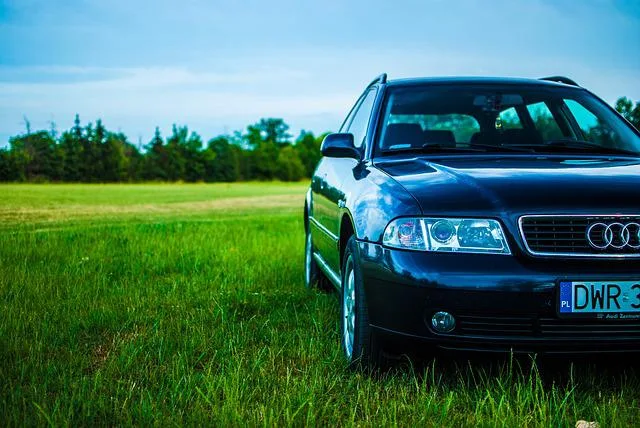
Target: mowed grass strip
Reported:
point(37, 206)
point(199, 316)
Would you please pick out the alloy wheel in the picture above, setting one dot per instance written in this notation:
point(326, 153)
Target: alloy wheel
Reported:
point(349, 310)
point(307, 259)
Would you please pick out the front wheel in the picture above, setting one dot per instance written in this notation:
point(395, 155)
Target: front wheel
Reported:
point(310, 266)
point(359, 344)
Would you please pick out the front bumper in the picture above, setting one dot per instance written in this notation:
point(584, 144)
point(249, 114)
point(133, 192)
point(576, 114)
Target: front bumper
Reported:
point(501, 303)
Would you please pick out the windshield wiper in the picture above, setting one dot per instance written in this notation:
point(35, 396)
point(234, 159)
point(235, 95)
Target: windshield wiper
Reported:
point(578, 145)
point(503, 147)
point(474, 148)
point(430, 148)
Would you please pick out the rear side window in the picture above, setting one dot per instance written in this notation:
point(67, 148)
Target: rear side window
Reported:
point(360, 122)
point(544, 122)
point(593, 129)
point(586, 120)
point(508, 119)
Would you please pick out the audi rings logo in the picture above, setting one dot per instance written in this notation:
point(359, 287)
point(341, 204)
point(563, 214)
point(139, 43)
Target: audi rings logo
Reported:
point(615, 236)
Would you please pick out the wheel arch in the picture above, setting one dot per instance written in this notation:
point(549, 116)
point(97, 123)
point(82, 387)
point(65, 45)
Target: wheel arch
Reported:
point(307, 204)
point(347, 230)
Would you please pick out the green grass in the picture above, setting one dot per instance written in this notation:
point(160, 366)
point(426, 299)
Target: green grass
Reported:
point(184, 304)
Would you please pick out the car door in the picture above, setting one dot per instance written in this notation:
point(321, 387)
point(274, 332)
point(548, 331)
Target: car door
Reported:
point(332, 178)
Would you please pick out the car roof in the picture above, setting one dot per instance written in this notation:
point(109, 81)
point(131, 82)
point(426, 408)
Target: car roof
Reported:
point(474, 80)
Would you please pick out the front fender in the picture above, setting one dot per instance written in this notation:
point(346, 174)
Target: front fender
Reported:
point(375, 200)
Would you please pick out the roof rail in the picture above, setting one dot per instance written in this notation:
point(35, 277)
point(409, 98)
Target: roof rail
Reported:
point(560, 79)
point(380, 79)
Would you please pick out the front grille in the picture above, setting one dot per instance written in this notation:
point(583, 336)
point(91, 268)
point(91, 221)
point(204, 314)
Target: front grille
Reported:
point(567, 236)
point(533, 327)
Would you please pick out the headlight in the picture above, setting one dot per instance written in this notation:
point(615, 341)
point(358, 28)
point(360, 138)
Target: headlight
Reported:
point(462, 235)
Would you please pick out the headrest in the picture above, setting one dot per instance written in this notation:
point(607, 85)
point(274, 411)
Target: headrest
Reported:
point(506, 137)
point(520, 136)
point(403, 135)
point(442, 137)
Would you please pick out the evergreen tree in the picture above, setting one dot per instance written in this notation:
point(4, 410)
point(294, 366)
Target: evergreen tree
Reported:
point(134, 162)
point(88, 168)
point(222, 160)
point(155, 161)
point(114, 160)
point(175, 150)
point(71, 144)
point(191, 149)
point(94, 154)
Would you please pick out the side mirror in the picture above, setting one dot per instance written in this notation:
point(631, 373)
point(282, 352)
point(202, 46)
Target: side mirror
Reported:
point(339, 146)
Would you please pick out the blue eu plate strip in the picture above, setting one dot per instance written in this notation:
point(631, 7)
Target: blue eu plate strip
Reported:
point(566, 297)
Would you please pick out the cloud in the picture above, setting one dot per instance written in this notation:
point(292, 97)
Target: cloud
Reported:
point(309, 88)
point(140, 91)
point(57, 74)
point(135, 100)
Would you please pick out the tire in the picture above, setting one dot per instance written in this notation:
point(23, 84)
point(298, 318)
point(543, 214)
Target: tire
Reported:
point(313, 276)
point(359, 344)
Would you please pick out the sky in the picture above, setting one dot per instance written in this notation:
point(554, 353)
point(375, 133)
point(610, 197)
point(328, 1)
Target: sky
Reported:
point(218, 66)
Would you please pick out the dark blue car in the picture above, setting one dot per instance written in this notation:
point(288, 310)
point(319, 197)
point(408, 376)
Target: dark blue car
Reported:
point(479, 214)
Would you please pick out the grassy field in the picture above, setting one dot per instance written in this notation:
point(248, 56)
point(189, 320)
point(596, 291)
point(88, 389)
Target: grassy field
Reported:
point(184, 304)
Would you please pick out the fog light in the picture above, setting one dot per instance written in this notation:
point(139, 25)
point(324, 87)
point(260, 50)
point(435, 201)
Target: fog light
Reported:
point(443, 322)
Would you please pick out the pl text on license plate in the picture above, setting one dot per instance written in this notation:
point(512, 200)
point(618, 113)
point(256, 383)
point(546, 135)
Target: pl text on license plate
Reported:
point(591, 297)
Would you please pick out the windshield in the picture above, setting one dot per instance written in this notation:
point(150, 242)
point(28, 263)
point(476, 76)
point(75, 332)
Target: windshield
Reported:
point(501, 118)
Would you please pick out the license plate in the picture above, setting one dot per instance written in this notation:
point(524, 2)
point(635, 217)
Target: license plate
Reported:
point(600, 297)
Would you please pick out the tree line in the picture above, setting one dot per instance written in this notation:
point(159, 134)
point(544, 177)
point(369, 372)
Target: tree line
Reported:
point(91, 153)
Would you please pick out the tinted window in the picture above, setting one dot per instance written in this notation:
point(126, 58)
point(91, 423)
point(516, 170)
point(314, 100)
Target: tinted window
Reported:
point(492, 117)
point(508, 119)
point(360, 122)
point(586, 120)
point(593, 129)
point(462, 126)
point(544, 122)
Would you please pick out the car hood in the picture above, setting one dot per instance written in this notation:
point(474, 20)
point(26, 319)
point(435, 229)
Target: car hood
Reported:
point(520, 185)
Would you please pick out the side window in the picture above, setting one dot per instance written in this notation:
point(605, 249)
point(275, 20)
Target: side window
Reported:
point(360, 122)
point(544, 121)
point(508, 119)
point(586, 120)
point(592, 128)
point(347, 121)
